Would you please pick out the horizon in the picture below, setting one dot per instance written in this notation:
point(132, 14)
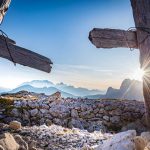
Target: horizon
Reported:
point(57, 83)
point(59, 30)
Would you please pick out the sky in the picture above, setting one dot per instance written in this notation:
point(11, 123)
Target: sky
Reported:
point(58, 29)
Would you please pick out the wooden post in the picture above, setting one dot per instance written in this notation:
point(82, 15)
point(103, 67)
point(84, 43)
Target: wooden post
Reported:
point(141, 13)
point(140, 39)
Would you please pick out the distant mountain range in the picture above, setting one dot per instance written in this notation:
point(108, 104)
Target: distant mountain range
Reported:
point(129, 89)
point(47, 87)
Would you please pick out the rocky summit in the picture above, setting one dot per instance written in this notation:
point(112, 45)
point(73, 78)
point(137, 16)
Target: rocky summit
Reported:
point(31, 121)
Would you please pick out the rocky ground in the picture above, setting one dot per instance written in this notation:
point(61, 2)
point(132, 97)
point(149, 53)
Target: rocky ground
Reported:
point(50, 137)
point(70, 124)
point(16, 137)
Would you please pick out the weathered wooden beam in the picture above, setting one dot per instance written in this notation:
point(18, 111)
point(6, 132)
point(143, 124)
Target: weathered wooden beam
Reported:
point(141, 13)
point(113, 38)
point(23, 56)
point(7, 39)
point(20, 55)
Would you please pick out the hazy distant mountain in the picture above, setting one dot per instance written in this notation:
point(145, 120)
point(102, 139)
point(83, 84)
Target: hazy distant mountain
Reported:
point(39, 83)
point(47, 87)
point(46, 90)
point(129, 89)
point(77, 91)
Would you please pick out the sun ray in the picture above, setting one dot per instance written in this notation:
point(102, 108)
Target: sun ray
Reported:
point(138, 74)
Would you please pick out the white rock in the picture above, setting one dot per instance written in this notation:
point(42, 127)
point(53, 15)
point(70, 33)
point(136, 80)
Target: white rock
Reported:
point(8, 142)
point(120, 141)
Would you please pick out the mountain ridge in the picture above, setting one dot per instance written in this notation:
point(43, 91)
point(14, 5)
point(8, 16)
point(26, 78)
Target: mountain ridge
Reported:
point(129, 89)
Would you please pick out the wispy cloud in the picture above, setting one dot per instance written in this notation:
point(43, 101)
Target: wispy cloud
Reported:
point(83, 68)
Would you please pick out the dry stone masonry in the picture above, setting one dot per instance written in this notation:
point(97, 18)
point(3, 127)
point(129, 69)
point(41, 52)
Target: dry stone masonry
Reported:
point(79, 113)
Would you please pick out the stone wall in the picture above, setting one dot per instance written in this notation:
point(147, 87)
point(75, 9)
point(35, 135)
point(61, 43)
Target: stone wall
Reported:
point(81, 113)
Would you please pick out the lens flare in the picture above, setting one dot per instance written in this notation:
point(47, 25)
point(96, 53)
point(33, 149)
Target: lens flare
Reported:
point(138, 74)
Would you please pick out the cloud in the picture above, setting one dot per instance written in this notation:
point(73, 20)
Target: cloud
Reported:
point(83, 68)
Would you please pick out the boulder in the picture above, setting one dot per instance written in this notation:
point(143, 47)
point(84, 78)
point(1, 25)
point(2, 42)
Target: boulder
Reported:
point(120, 141)
point(15, 125)
point(140, 143)
point(7, 142)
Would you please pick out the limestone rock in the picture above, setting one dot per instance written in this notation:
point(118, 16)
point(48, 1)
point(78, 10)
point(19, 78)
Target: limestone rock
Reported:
point(140, 143)
point(8, 142)
point(120, 141)
point(15, 125)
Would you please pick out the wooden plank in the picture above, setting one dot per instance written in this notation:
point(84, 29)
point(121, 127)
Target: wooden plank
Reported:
point(141, 13)
point(24, 57)
point(113, 38)
point(7, 39)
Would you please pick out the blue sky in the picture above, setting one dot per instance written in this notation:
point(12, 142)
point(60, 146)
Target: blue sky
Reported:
point(59, 30)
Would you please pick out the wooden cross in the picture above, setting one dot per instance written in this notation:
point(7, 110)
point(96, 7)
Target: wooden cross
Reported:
point(12, 52)
point(139, 39)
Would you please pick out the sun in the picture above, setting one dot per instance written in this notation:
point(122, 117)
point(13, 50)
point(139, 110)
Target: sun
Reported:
point(138, 74)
